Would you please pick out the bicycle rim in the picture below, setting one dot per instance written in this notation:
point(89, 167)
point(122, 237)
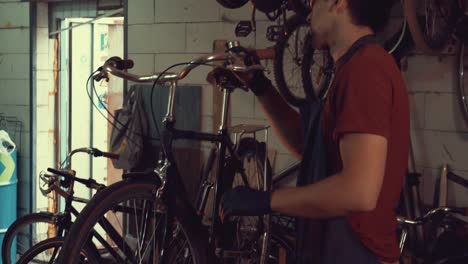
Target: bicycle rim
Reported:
point(47, 251)
point(315, 70)
point(289, 59)
point(26, 232)
point(129, 208)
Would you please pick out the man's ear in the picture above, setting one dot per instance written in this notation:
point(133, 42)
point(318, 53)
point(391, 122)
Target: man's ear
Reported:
point(341, 5)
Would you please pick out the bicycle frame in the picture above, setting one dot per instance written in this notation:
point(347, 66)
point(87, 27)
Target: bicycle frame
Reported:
point(174, 181)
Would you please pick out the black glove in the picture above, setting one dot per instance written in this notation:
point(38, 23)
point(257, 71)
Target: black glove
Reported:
point(244, 201)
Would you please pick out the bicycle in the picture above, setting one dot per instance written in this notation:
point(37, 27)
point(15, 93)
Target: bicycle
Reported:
point(31, 229)
point(159, 218)
point(444, 218)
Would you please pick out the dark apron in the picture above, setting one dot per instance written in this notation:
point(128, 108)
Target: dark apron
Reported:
point(328, 241)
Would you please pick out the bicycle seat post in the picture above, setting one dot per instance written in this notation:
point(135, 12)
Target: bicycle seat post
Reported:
point(225, 108)
point(170, 103)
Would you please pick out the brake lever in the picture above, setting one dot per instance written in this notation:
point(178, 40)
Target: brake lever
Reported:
point(48, 180)
point(101, 75)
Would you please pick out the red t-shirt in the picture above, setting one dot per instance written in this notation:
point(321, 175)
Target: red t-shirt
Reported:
point(371, 97)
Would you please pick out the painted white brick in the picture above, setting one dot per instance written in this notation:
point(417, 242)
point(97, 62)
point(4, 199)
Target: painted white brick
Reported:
point(10, 92)
point(207, 99)
point(14, 40)
point(44, 75)
point(443, 112)
point(196, 76)
point(140, 12)
point(14, 66)
point(431, 73)
point(42, 40)
point(14, 15)
point(261, 40)
point(235, 15)
point(242, 104)
point(207, 124)
point(44, 87)
point(51, 53)
point(21, 112)
point(169, 38)
point(45, 143)
point(186, 10)
point(456, 195)
point(433, 148)
point(42, 14)
point(42, 61)
point(143, 63)
point(45, 119)
point(200, 36)
point(417, 110)
point(141, 39)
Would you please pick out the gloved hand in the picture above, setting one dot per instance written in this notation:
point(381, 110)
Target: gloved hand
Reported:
point(244, 201)
point(256, 80)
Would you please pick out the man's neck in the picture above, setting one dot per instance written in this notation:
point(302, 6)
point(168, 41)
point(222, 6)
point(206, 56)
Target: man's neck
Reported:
point(344, 39)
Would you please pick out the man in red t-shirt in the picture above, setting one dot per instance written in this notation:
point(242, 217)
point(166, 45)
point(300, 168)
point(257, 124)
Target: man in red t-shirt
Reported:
point(366, 131)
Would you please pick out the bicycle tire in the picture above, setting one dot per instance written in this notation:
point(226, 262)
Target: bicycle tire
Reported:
point(287, 71)
point(109, 200)
point(53, 243)
point(267, 6)
point(17, 227)
point(315, 70)
point(232, 4)
point(300, 7)
point(431, 40)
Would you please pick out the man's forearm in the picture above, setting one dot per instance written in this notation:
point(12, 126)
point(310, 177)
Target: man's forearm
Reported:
point(285, 121)
point(331, 197)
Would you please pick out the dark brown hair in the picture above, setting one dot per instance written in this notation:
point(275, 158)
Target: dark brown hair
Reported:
point(372, 13)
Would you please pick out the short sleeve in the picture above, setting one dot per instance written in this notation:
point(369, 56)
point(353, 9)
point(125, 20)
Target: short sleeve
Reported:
point(364, 101)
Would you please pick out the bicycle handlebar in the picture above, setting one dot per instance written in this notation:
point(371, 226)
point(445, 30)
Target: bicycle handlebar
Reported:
point(231, 61)
point(430, 215)
point(70, 175)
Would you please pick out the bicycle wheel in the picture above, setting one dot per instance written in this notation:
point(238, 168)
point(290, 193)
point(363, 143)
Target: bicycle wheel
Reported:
point(301, 7)
point(127, 216)
point(315, 69)
point(241, 236)
point(432, 30)
point(289, 60)
point(26, 232)
point(46, 251)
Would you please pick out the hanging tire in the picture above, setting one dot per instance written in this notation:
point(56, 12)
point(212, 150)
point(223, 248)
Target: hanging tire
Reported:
point(289, 59)
point(316, 70)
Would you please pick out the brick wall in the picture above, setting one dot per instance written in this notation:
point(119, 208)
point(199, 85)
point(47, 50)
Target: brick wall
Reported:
point(15, 85)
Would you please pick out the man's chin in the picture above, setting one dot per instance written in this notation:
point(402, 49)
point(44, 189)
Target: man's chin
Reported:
point(317, 42)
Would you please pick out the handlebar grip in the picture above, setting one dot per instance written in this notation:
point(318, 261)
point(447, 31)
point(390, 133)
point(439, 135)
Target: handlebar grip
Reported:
point(66, 174)
point(110, 155)
point(98, 153)
point(120, 63)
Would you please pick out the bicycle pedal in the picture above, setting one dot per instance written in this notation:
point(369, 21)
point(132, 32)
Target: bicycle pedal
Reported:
point(243, 29)
point(274, 32)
